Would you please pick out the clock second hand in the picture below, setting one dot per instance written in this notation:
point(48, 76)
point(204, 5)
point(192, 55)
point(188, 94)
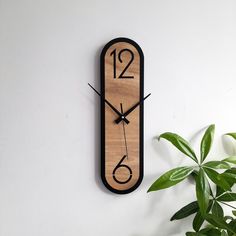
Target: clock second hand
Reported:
point(123, 124)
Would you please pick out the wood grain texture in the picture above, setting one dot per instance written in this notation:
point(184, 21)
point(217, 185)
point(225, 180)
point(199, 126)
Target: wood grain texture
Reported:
point(128, 92)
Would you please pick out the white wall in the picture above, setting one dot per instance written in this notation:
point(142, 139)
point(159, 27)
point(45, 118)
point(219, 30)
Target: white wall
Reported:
point(49, 118)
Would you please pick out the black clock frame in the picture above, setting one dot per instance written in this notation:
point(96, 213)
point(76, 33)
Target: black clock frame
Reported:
point(141, 116)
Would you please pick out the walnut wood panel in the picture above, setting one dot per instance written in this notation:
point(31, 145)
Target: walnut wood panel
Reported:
point(122, 83)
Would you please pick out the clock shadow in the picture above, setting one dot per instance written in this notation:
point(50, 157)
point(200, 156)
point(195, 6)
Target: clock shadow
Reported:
point(97, 125)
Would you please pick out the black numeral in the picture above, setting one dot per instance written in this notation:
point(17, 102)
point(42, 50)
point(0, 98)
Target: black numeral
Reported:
point(122, 76)
point(120, 165)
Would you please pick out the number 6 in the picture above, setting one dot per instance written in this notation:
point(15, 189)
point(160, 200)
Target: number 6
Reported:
point(119, 165)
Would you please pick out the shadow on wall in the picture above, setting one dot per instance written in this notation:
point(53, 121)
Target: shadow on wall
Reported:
point(229, 145)
point(97, 125)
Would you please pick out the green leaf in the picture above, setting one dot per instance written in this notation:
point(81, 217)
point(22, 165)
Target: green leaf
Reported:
point(198, 219)
point(227, 197)
point(231, 159)
point(233, 135)
point(194, 175)
point(207, 142)
point(234, 213)
point(229, 176)
point(186, 211)
point(217, 165)
point(217, 179)
point(217, 210)
point(202, 191)
point(219, 191)
point(210, 232)
point(232, 224)
point(194, 234)
point(205, 232)
point(231, 171)
point(181, 173)
point(180, 144)
point(218, 222)
point(171, 178)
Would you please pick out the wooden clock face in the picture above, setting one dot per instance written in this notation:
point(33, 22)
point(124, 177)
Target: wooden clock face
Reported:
point(121, 127)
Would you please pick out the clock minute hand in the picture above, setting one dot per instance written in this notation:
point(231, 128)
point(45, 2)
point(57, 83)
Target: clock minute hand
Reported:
point(118, 120)
point(122, 117)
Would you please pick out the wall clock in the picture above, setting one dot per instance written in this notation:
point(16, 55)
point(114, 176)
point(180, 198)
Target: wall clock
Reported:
point(122, 85)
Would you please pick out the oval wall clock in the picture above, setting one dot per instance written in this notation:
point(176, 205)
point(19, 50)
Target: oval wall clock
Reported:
point(122, 86)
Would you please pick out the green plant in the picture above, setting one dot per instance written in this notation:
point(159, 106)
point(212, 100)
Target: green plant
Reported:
point(213, 183)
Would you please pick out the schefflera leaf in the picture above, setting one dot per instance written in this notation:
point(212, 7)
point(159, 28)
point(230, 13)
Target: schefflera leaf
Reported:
point(231, 159)
point(220, 223)
point(202, 191)
point(199, 220)
point(206, 142)
point(180, 143)
point(218, 179)
point(217, 165)
point(171, 178)
point(229, 176)
point(227, 197)
point(217, 210)
point(194, 234)
point(205, 232)
point(186, 211)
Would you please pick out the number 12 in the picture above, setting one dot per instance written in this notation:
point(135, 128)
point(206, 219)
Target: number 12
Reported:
point(113, 53)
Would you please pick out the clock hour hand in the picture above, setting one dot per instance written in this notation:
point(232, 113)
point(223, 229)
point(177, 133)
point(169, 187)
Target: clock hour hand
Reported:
point(122, 117)
point(118, 120)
